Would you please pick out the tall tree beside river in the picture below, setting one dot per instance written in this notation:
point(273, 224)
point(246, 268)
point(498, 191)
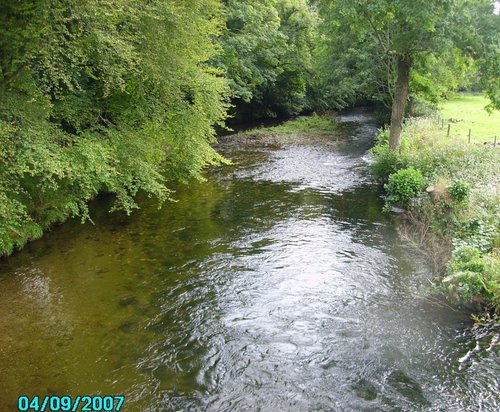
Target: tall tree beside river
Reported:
point(395, 37)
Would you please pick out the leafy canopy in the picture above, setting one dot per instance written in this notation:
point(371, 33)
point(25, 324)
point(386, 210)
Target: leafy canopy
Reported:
point(112, 96)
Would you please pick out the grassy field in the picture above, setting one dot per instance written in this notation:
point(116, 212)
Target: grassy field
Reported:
point(470, 113)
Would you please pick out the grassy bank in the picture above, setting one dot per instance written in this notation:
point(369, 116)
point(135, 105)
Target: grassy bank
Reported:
point(466, 112)
point(449, 190)
point(299, 130)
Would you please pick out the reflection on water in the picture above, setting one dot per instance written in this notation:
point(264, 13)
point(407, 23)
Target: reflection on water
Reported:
point(276, 285)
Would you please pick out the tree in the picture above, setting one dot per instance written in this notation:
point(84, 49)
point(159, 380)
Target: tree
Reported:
point(267, 54)
point(484, 42)
point(405, 30)
point(252, 46)
point(349, 67)
point(298, 25)
point(112, 96)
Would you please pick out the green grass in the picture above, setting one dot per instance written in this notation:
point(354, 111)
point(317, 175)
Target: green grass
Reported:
point(469, 109)
point(314, 125)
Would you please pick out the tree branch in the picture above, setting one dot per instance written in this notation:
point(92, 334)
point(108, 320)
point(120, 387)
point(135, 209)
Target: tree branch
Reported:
point(376, 32)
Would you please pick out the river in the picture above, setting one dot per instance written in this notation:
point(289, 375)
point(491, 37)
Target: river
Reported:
point(276, 285)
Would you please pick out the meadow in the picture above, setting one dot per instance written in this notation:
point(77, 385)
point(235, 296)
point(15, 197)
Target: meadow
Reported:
point(466, 112)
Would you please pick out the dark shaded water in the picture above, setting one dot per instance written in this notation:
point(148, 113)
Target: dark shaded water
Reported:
point(278, 285)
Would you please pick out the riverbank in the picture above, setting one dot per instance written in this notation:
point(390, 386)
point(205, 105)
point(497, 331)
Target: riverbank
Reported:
point(449, 189)
point(316, 128)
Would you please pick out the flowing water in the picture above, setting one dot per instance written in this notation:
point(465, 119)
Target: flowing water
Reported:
point(277, 285)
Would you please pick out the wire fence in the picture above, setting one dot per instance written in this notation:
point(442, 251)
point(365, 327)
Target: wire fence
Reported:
point(448, 124)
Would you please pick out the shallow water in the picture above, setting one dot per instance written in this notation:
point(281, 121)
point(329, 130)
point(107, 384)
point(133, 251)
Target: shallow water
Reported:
point(276, 285)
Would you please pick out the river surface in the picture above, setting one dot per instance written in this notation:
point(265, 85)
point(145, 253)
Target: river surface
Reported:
point(277, 285)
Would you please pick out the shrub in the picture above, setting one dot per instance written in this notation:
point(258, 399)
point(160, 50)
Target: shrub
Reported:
point(466, 258)
point(472, 276)
point(403, 186)
point(476, 233)
point(459, 190)
point(463, 286)
point(386, 162)
point(129, 108)
point(421, 107)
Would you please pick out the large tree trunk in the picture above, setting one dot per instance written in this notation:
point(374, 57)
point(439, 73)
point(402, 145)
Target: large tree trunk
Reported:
point(399, 102)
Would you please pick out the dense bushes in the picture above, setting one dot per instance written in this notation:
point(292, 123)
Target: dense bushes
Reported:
point(459, 190)
point(112, 96)
point(122, 96)
point(267, 52)
point(403, 186)
point(472, 276)
point(460, 204)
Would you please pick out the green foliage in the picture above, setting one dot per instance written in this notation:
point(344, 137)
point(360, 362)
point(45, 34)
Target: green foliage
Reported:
point(425, 147)
point(420, 107)
point(448, 43)
point(459, 190)
point(350, 66)
point(112, 96)
point(387, 161)
point(403, 186)
point(122, 96)
point(287, 96)
point(253, 46)
point(472, 275)
point(435, 77)
point(267, 55)
point(314, 125)
point(475, 233)
point(486, 43)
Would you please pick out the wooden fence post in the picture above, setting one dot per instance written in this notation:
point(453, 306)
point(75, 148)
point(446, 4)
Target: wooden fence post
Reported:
point(449, 127)
point(469, 135)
